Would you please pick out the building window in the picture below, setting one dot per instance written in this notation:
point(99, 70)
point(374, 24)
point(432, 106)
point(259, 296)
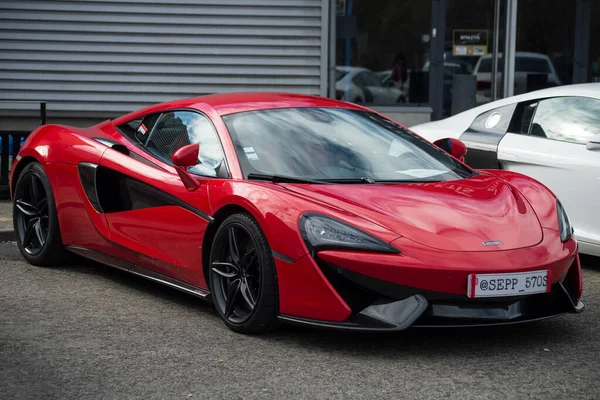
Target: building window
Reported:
point(381, 50)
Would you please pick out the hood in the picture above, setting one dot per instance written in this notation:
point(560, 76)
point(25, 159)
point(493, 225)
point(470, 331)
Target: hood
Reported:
point(456, 216)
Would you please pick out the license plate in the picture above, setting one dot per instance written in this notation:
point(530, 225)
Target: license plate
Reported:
point(502, 285)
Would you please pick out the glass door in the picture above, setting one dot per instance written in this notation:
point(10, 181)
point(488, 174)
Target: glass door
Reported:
point(468, 54)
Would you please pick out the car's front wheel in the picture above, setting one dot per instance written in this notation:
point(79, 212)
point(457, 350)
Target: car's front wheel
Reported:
point(35, 219)
point(242, 276)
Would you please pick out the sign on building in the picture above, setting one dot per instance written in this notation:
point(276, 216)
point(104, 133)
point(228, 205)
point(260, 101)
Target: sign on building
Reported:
point(469, 42)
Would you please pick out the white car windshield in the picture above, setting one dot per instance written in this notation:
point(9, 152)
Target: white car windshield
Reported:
point(333, 144)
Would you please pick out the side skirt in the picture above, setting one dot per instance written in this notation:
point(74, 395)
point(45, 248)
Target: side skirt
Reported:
point(139, 271)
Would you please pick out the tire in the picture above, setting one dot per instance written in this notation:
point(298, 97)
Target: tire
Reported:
point(34, 208)
point(250, 281)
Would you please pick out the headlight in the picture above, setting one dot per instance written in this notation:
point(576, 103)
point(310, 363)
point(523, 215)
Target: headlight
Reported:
point(321, 232)
point(564, 223)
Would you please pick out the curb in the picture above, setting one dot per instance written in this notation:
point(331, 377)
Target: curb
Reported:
point(7, 235)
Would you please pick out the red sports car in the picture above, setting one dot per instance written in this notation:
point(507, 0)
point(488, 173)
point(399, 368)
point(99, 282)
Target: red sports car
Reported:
point(281, 207)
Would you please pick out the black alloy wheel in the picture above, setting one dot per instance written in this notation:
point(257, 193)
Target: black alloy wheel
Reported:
point(242, 276)
point(31, 213)
point(35, 220)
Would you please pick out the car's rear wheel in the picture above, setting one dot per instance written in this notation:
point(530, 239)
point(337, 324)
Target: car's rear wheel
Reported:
point(242, 276)
point(35, 219)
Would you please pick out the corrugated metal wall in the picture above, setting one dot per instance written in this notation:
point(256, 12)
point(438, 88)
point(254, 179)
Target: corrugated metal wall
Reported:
point(107, 57)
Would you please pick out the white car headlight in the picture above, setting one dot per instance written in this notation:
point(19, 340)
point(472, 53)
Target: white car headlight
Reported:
point(564, 223)
point(321, 232)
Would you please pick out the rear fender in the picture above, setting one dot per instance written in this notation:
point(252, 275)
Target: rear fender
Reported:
point(57, 143)
point(59, 149)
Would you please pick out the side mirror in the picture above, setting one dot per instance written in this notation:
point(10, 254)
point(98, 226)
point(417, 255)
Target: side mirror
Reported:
point(455, 147)
point(182, 159)
point(593, 143)
point(187, 156)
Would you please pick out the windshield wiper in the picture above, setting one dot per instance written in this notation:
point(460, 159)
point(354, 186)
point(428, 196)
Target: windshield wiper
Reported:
point(408, 181)
point(282, 179)
point(362, 179)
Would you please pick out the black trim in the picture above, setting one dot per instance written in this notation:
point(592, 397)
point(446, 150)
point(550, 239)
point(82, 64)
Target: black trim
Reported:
point(87, 175)
point(111, 191)
point(105, 141)
point(380, 316)
point(342, 326)
point(121, 148)
point(283, 257)
point(140, 271)
point(141, 159)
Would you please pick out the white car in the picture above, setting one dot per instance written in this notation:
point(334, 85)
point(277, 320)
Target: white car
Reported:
point(552, 135)
point(525, 64)
point(362, 86)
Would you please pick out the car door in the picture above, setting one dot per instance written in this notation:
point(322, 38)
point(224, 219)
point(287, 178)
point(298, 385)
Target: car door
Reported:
point(547, 141)
point(148, 209)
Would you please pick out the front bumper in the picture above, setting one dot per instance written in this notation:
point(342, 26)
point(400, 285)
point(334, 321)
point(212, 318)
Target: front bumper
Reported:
point(441, 310)
point(374, 292)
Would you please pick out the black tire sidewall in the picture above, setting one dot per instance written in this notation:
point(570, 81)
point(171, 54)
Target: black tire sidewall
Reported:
point(53, 250)
point(264, 316)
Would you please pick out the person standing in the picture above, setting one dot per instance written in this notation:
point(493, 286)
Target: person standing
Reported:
point(399, 70)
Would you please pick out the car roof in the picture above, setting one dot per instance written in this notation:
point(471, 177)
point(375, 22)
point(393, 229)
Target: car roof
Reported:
point(460, 122)
point(521, 54)
point(230, 103)
point(346, 68)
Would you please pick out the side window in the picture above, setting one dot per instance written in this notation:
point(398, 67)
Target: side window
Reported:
point(568, 119)
point(180, 128)
point(137, 130)
point(143, 130)
point(522, 118)
point(129, 128)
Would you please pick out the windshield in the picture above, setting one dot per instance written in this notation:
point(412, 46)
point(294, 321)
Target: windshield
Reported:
point(336, 144)
point(339, 74)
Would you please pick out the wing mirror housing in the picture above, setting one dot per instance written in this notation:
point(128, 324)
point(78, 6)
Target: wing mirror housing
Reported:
point(454, 147)
point(182, 159)
point(593, 143)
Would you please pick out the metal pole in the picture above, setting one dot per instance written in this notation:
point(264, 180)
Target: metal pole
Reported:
point(348, 44)
point(43, 112)
point(436, 58)
point(332, 46)
point(495, 50)
point(582, 41)
point(324, 70)
point(510, 48)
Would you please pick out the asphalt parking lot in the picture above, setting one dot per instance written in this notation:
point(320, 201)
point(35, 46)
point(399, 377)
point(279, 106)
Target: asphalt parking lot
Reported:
point(87, 331)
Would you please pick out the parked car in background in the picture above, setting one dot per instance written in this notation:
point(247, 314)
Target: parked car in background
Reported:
point(362, 86)
point(552, 135)
point(539, 66)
